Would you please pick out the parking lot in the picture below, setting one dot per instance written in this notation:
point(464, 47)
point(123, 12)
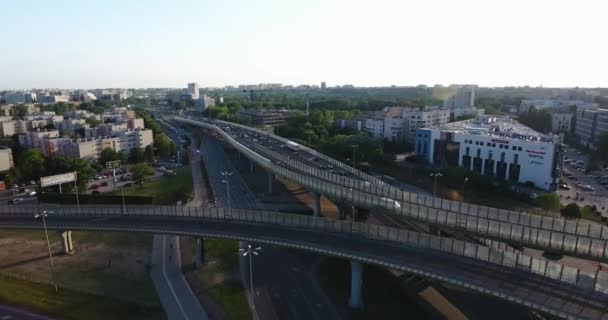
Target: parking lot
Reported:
point(582, 188)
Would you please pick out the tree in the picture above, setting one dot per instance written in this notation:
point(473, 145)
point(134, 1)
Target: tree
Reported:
point(136, 155)
point(549, 202)
point(92, 122)
point(571, 211)
point(141, 171)
point(163, 145)
point(149, 153)
point(31, 165)
point(108, 154)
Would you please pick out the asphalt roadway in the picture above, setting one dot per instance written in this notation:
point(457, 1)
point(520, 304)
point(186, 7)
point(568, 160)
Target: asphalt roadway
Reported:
point(284, 285)
point(178, 300)
point(11, 313)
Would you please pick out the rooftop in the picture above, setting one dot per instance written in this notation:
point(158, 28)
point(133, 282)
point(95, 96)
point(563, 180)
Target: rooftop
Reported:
point(500, 126)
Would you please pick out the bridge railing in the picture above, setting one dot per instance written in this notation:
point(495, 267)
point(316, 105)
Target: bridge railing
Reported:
point(518, 228)
point(597, 280)
point(575, 227)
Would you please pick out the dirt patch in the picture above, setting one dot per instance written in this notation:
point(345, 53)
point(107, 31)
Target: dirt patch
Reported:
point(96, 267)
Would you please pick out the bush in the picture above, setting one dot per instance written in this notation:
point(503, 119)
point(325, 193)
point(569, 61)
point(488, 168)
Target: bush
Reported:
point(571, 211)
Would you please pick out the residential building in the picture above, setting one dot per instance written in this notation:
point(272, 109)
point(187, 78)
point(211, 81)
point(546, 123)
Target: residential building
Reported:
point(193, 90)
point(561, 122)
point(398, 124)
point(49, 99)
point(90, 148)
point(6, 158)
point(14, 98)
point(7, 128)
point(463, 98)
point(562, 104)
point(494, 146)
point(204, 102)
point(266, 117)
point(590, 125)
point(71, 125)
point(38, 139)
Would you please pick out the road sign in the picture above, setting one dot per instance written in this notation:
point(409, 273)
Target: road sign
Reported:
point(113, 164)
point(57, 179)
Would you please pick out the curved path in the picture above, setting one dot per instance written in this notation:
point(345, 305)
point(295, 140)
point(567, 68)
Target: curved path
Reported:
point(570, 237)
point(387, 247)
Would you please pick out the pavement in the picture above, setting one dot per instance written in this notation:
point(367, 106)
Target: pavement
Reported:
point(178, 300)
point(284, 285)
point(11, 313)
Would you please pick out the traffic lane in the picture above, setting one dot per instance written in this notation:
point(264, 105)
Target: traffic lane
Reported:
point(12, 313)
point(296, 294)
point(518, 283)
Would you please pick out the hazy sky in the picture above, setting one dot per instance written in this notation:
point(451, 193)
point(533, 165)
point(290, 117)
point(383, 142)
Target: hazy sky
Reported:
point(148, 43)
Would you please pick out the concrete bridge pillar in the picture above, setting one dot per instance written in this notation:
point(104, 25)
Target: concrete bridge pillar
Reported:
point(270, 179)
point(355, 213)
point(66, 242)
point(199, 250)
point(356, 271)
point(316, 204)
point(250, 166)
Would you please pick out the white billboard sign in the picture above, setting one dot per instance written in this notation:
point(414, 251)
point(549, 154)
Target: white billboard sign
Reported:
point(57, 179)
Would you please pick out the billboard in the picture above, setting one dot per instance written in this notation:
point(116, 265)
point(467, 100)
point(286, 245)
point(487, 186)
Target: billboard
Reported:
point(57, 179)
point(113, 164)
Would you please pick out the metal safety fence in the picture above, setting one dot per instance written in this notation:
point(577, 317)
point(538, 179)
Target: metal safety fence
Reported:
point(594, 280)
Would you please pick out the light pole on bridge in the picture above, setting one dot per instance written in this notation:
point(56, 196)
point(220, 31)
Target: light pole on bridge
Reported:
point(354, 146)
point(226, 175)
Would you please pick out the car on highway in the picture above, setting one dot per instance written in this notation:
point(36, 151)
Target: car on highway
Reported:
point(16, 201)
point(390, 203)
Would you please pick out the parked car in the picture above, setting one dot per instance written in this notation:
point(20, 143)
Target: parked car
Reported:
point(565, 186)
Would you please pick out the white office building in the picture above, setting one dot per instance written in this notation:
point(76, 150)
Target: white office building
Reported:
point(489, 145)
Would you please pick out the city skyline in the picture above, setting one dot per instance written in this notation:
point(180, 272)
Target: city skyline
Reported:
point(158, 45)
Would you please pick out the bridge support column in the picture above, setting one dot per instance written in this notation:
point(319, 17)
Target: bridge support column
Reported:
point(270, 179)
point(355, 213)
point(316, 204)
point(356, 270)
point(250, 166)
point(66, 242)
point(199, 250)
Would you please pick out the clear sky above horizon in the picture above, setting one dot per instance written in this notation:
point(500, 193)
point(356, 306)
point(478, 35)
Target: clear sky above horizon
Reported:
point(153, 43)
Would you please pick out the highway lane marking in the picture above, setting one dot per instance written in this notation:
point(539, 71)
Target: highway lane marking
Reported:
point(164, 268)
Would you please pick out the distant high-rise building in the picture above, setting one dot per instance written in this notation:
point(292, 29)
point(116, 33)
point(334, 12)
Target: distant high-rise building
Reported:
point(464, 98)
point(323, 85)
point(193, 90)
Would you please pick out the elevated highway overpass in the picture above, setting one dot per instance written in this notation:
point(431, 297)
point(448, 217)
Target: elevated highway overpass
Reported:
point(536, 283)
point(354, 187)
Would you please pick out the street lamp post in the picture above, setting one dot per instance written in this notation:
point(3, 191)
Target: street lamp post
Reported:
point(226, 180)
point(43, 215)
point(250, 251)
point(435, 175)
point(463, 184)
point(355, 155)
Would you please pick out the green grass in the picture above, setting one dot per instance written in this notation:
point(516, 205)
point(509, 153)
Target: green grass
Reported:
point(138, 240)
point(229, 294)
point(165, 190)
point(70, 305)
point(588, 213)
point(382, 295)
